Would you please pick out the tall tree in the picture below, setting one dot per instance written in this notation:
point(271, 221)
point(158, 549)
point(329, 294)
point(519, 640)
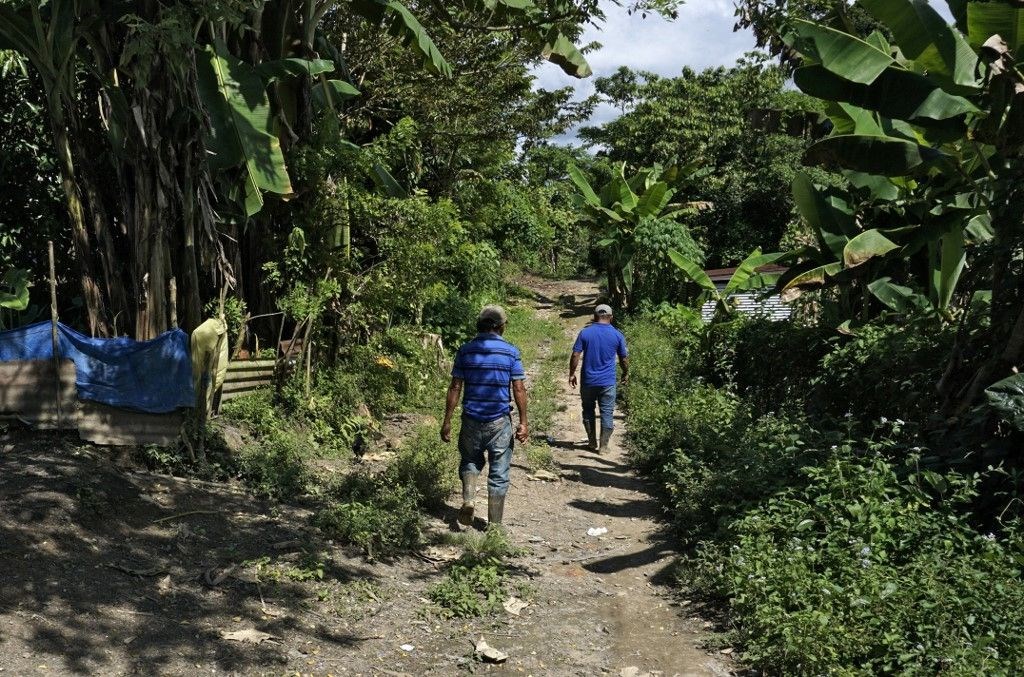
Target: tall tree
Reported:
point(739, 123)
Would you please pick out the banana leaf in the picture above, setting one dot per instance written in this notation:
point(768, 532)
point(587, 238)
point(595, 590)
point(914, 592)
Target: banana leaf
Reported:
point(897, 297)
point(866, 246)
point(1006, 398)
point(654, 200)
point(581, 183)
point(15, 280)
point(833, 226)
point(331, 91)
point(746, 275)
point(896, 93)
point(995, 18)
point(882, 155)
point(847, 56)
point(693, 271)
point(811, 276)
point(283, 68)
point(924, 37)
point(235, 97)
point(560, 50)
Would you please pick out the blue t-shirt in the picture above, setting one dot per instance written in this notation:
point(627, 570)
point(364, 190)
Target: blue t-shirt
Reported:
point(487, 365)
point(600, 344)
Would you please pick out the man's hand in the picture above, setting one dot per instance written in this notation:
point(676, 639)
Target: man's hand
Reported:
point(573, 381)
point(522, 433)
point(446, 431)
point(625, 379)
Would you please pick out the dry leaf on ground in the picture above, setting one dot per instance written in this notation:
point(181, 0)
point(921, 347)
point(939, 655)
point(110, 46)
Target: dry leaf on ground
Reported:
point(249, 636)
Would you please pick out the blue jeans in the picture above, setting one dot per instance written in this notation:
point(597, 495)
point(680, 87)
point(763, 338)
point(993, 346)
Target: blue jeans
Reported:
point(599, 395)
point(491, 442)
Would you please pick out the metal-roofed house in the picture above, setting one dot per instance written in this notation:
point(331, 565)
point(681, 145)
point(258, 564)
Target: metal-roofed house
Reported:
point(750, 302)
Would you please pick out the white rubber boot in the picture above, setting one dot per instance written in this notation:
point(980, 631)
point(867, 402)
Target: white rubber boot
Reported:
point(468, 496)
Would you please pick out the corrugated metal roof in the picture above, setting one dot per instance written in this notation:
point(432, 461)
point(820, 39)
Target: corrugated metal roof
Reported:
point(725, 274)
point(771, 308)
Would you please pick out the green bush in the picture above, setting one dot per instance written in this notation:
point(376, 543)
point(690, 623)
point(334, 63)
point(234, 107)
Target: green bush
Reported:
point(275, 465)
point(255, 410)
point(380, 517)
point(470, 590)
point(656, 278)
point(888, 370)
point(867, 571)
point(772, 365)
point(478, 583)
point(426, 465)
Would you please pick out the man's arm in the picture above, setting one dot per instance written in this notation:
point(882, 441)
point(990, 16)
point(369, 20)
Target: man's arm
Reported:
point(519, 393)
point(454, 392)
point(624, 363)
point(574, 363)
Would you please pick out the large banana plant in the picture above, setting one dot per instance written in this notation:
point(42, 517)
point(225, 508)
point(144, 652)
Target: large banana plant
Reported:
point(932, 238)
point(942, 107)
point(619, 206)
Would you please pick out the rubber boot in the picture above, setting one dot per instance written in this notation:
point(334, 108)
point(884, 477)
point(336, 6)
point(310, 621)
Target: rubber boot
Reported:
point(468, 495)
point(606, 436)
point(591, 427)
point(495, 508)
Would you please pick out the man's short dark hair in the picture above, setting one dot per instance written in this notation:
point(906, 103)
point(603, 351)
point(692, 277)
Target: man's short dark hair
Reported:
point(487, 324)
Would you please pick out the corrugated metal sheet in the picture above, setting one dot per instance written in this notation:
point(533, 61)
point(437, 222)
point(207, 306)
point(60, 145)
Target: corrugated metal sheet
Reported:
point(105, 425)
point(771, 308)
point(29, 392)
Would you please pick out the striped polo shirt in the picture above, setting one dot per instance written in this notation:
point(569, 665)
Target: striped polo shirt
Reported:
point(487, 365)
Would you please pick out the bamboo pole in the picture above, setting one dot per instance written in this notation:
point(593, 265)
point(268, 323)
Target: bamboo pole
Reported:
point(53, 333)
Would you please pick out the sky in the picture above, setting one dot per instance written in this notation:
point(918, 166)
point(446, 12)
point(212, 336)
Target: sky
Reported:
point(701, 37)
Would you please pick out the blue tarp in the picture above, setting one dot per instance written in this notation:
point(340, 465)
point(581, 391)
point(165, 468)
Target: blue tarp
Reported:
point(153, 376)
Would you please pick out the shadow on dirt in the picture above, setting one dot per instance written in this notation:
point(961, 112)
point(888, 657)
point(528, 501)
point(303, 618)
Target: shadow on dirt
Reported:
point(113, 571)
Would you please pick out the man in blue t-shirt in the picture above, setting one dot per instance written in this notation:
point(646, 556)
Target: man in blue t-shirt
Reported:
point(599, 344)
point(490, 370)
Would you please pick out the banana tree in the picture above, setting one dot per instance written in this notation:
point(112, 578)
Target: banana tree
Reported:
point(943, 106)
point(747, 277)
point(200, 102)
point(621, 204)
point(912, 234)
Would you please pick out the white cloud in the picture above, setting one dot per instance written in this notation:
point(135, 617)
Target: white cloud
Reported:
point(702, 37)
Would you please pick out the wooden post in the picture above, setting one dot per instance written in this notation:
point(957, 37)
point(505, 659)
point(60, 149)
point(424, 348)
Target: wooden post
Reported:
point(53, 333)
point(174, 303)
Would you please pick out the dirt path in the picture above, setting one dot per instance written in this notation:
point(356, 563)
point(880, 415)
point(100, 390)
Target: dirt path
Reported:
point(608, 608)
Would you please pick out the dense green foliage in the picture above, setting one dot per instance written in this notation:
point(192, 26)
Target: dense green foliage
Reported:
point(800, 474)
point(738, 124)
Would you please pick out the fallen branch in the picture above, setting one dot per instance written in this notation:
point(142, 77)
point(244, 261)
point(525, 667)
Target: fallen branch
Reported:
point(186, 514)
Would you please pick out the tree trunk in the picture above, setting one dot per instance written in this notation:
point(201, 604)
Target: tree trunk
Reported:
point(91, 293)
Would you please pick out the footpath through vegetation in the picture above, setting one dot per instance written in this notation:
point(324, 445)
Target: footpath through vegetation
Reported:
point(345, 566)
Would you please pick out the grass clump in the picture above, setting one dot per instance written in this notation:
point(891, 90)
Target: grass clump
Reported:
point(479, 582)
point(427, 465)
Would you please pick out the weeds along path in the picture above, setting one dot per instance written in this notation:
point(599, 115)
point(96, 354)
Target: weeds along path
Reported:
point(604, 602)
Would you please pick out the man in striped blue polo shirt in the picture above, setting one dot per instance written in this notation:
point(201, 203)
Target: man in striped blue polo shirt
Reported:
point(489, 371)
